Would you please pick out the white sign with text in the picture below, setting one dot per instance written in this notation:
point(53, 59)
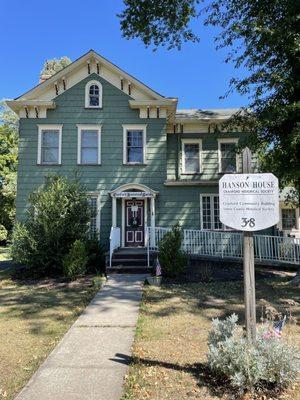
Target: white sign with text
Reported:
point(135, 195)
point(249, 202)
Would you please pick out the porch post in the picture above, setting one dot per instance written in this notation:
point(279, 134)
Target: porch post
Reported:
point(152, 212)
point(152, 221)
point(114, 212)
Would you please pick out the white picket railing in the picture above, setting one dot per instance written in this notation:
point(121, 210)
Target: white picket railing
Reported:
point(277, 248)
point(210, 243)
point(230, 245)
point(114, 241)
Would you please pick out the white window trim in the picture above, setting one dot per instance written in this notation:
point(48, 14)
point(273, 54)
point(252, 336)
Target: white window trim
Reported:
point(211, 196)
point(98, 216)
point(87, 93)
point(92, 127)
point(191, 141)
point(227, 140)
point(280, 225)
point(137, 127)
point(50, 127)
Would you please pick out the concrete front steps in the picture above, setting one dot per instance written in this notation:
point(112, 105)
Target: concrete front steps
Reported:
point(130, 260)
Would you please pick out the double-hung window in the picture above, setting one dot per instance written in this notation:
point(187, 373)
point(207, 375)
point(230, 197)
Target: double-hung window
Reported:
point(89, 144)
point(288, 216)
point(191, 156)
point(49, 144)
point(134, 144)
point(210, 213)
point(227, 155)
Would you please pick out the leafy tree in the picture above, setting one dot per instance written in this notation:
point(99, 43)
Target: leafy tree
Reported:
point(8, 117)
point(8, 174)
point(9, 126)
point(262, 36)
point(54, 65)
point(58, 215)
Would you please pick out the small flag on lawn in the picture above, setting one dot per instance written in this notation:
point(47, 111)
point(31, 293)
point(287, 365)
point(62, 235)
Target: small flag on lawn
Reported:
point(276, 329)
point(158, 268)
point(278, 326)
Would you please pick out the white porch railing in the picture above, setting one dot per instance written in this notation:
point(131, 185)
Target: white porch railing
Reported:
point(114, 241)
point(210, 243)
point(277, 248)
point(230, 245)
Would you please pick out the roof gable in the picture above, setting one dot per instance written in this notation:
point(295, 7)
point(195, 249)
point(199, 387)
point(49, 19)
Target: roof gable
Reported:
point(89, 63)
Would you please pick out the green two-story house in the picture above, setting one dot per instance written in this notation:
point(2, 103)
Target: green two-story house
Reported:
point(144, 162)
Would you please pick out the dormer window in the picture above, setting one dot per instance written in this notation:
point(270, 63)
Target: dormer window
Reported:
point(93, 94)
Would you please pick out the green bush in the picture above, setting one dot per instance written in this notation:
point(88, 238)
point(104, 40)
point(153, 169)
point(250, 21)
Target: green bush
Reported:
point(270, 361)
point(74, 263)
point(96, 256)
point(58, 215)
point(3, 234)
point(98, 281)
point(172, 259)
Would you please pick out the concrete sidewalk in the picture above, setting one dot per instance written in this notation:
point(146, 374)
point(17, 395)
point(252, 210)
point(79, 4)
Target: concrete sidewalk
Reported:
point(91, 360)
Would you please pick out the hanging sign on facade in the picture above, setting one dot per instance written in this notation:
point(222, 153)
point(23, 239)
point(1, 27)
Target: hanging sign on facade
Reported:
point(136, 195)
point(249, 202)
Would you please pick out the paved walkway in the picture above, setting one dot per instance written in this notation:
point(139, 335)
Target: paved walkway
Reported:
point(91, 360)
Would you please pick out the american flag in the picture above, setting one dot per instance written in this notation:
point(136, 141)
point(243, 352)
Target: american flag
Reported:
point(276, 329)
point(278, 326)
point(158, 268)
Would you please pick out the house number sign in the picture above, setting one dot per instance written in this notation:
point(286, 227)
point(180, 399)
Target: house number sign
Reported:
point(249, 202)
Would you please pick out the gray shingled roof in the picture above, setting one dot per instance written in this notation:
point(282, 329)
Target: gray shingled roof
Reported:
point(216, 113)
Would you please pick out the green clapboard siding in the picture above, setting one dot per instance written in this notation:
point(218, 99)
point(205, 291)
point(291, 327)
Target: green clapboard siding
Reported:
point(173, 204)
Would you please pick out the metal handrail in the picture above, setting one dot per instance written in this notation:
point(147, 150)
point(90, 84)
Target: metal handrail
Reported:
point(230, 245)
point(114, 241)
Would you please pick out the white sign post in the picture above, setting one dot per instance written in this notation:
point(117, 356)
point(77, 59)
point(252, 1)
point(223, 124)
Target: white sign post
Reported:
point(249, 202)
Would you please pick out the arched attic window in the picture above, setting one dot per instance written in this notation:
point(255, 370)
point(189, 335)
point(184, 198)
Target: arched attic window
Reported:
point(93, 94)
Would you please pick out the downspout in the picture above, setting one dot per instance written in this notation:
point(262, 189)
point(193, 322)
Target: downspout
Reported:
point(178, 154)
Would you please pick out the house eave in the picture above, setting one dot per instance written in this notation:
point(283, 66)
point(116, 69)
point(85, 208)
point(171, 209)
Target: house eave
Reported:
point(16, 105)
point(190, 183)
point(134, 104)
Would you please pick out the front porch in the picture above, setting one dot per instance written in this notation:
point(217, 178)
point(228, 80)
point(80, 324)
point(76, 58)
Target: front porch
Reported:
point(137, 205)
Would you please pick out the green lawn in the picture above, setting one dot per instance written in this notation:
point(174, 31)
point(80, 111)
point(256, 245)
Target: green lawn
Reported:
point(169, 354)
point(34, 315)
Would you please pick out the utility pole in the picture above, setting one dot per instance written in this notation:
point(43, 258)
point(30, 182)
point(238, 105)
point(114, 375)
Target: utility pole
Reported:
point(249, 272)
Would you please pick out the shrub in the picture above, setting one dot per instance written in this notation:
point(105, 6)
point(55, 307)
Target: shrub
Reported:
point(23, 249)
point(58, 215)
point(3, 234)
point(98, 281)
point(172, 259)
point(248, 367)
point(74, 263)
point(96, 256)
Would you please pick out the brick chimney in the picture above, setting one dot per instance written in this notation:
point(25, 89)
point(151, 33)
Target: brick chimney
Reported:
point(44, 77)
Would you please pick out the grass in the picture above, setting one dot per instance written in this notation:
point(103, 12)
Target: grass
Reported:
point(34, 315)
point(169, 353)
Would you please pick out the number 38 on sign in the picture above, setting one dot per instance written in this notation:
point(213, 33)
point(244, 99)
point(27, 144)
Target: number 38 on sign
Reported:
point(249, 202)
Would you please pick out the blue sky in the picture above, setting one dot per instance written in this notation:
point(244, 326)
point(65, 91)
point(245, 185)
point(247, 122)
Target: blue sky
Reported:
point(33, 31)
